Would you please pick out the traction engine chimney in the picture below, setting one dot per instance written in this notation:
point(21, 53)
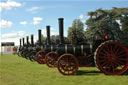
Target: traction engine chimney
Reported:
point(39, 36)
point(48, 35)
point(32, 40)
point(27, 38)
point(20, 42)
point(23, 41)
point(61, 28)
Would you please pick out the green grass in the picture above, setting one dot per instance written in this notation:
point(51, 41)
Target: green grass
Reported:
point(15, 70)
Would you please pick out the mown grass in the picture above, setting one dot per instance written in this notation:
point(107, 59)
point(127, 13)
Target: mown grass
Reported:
point(15, 70)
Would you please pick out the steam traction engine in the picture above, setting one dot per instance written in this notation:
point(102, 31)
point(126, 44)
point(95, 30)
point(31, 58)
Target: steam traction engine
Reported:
point(48, 47)
point(109, 56)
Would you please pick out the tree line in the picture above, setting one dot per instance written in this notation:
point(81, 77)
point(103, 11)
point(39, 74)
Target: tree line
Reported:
point(115, 19)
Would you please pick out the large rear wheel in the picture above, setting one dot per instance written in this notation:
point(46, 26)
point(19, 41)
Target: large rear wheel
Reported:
point(112, 58)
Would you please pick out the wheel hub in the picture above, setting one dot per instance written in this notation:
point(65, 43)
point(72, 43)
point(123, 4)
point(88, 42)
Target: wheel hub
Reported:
point(67, 64)
point(111, 57)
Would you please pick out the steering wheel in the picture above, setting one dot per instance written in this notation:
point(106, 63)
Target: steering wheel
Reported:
point(104, 34)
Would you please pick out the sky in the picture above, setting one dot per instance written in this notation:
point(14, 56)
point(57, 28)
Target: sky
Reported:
point(21, 18)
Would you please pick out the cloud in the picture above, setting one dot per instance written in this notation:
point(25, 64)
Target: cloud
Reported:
point(83, 21)
point(34, 9)
point(85, 27)
point(0, 9)
point(23, 22)
point(14, 35)
point(53, 29)
point(15, 40)
point(118, 21)
point(51, 33)
point(37, 20)
point(5, 24)
point(81, 16)
point(9, 5)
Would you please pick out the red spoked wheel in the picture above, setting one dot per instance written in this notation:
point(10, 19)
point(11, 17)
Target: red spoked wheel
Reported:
point(67, 64)
point(112, 58)
point(51, 59)
point(40, 57)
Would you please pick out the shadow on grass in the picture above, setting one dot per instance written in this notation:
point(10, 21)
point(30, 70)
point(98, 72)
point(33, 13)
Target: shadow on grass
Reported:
point(80, 72)
point(88, 72)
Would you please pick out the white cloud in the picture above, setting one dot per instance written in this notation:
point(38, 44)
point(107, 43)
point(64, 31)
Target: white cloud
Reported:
point(85, 27)
point(13, 35)
point(53, 29)
point(37, 20)
point(9, 4)
point(15, 40)
point(33, 9)
point(83, 21)
point(23, 22)
point(51, 33)
point(0, 9)
point(5, 24)
point(119, 22)
point(81, 16)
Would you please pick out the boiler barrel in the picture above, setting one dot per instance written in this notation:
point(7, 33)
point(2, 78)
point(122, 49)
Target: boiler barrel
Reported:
point(50, 48)
point(76, 50)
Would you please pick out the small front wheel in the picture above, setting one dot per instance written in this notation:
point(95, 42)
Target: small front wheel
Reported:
point(40, 57)
point(51, 59)
point(67, 64)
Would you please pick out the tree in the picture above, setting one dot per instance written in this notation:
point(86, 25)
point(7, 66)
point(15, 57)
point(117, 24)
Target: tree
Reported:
point(125, 24)
point(42, 37)
point(75, 32)
point(107, 19)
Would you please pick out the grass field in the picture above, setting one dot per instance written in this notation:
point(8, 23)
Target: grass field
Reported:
point(15, 70)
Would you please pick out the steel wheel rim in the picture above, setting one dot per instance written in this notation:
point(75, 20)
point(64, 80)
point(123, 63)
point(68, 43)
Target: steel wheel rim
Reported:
point(112, 58)
point(40, 57)
point(67, 64)
point(51, 59)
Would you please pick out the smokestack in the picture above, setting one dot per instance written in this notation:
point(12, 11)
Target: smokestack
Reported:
point(48, 35)
point(27, 38)
point(39, 36)
point(23, 41)
point(20, 42)
point(32, 39)
point(61, 30)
